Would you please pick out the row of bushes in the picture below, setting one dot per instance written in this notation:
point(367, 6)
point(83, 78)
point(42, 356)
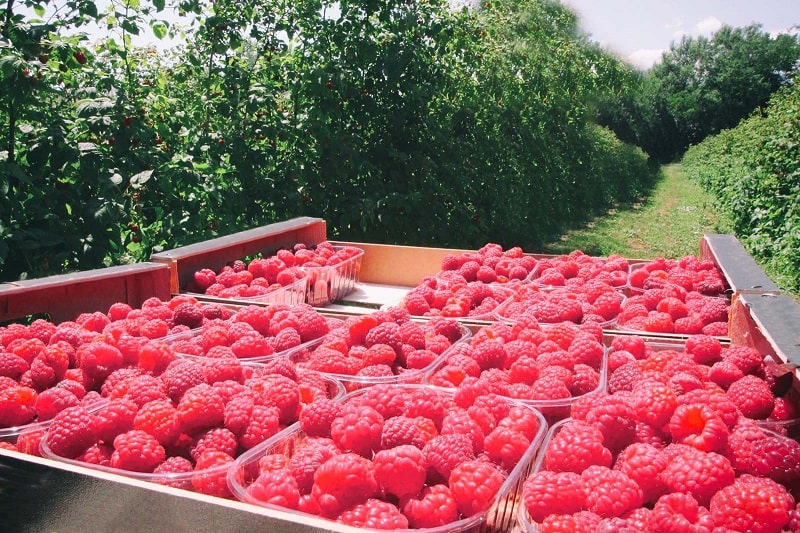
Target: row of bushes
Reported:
point(753, 170)
point(409, 122)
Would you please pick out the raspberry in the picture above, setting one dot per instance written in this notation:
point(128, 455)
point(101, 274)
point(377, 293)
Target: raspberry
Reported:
point(654, 403)
point(775, 457)
point(434, 507)
point(458, 421)
point(753, 396)
point(142, 389)
point(401, 470)
point(506, 446)
point(181, 376)
point(401, 430)
point(717, 400)
point(308, 456)
point(172, 468)
point(343, 481)
point(679, 512)
point(576, 446)
point(385, 333)
point(189, 315)
point(311, 325)
point(316, 417)
point(98, 359)
point(137, 451)
point(444, 452)
point(704, 349)
point(155, 356)
point(115, 418)
point(52, 401)
point(749, 360)
point(222, 371)
point(358, 428)
point(474, 485)
point(277, 487)
point(97, 454)
point(280, 391)
point(699, 426)
point(698, 473)
point(210, 477)
point(200, 407)
point(752, 504)
point(374, 514)
point(220, 439)
point(610, 493)
point(71, 432)
point(12, 366)
point(388, 400)
point(263, 423)
point(616, 419)
point(545, 493)
point(644, 463)
point(724, 373)
point(159, 418)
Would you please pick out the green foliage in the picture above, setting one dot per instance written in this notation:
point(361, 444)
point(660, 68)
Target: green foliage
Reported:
point(404, 122)
point(754, 172)
point(701, 87)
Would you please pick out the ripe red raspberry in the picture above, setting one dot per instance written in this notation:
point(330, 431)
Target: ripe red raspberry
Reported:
point(279, 391)
point(700, 473)
point(506, 446)
point(98, 359)
point(402, 430)
point(434, 507)
point(616, 419)
point(142, 389)
point(316, 417)
point(444, 452)
point(775, 457)
point(180, 376)
point(189, 315)
point(752, 504)
point(753, 396)
point(51, 401)
point(342, 481)
point(358, 429)
point(17, 405)
point(610, 493)
point(12, 366)
point(263, 423)
point(223, 371)
point(654, 402)
point(401, 470)
point(749, 360)
point(704, 349)
point(211, 472)
point(679, 512)
point(724, 373)
point(385, 333)
point(277, 487)
point(220, 439)
point(474, 484)
point(97, 454)
point(114, 418)
point(172, 466)
point(458, 421)
point(699, 426)
point(388, 400)
point(159, 418)
point(644, 463)
point(717, 399)
point(71, 432)
point(546, 493)
point(155, 356)
point(137, 451)
point(575, 447)
point(200, 408)
point(713, 310)
point(374, 514)
point(311, 325)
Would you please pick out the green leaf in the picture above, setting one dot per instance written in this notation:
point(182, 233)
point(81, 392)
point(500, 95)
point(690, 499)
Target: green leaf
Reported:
point(39, 10)
point(159, 5)
point(137, 180)
point(159, 29)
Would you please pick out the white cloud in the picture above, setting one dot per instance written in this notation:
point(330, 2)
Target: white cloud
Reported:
point(708, 25)
point(645, 58)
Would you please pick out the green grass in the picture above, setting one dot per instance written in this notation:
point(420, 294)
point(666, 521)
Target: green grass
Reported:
point(668, 223)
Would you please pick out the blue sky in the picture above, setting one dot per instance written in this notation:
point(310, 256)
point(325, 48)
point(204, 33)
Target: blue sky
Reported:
point(639, 31)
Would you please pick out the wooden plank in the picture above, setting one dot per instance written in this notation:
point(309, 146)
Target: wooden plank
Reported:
point(739, 268)
point(63, 297)
point(216, 253)
point(45, 495)
point(769, 323)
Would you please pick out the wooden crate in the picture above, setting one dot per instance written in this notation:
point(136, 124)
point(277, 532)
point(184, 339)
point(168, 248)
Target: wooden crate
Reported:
point(65, 296)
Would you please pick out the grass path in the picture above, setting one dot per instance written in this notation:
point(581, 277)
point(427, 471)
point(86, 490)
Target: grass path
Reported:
point(668, 223)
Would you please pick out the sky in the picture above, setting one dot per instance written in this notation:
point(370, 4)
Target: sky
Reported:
point(639, 31)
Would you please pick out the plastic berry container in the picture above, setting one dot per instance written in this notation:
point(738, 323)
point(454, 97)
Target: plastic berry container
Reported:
point(24, 439)
point(211, 481)
point(304, 357)
point(499, 516)
point(332, 282)
point(577, 267)
point(551, 305)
